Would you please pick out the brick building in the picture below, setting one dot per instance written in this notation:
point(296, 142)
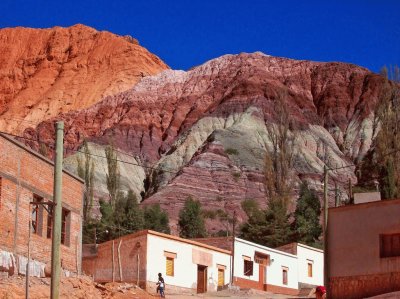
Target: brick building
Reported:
point(364, 249)
point(26, 176)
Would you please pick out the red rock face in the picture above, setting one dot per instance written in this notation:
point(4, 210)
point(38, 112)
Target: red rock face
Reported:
point(44, 72)
point(154, 120)
point(147, 119)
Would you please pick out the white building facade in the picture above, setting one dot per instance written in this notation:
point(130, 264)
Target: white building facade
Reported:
point(263, 268)
point(186, 264)
point(310, 263)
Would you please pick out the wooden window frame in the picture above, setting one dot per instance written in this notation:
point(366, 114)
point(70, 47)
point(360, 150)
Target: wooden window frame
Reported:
point(49, 222)
point(65, 226)
point(285, 276)
point(261, 258)
point(389, 245)
point(248, 267)
point(172, 261)
point(310, 267)
point(37, 212)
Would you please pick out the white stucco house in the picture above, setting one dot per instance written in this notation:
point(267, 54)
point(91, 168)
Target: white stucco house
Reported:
point(283, 270)
point(272, 270)
point(310, 262)
point(187, 266)
point(202, 265)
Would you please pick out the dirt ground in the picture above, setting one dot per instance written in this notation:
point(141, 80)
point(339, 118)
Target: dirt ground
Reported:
point(253, 294)
point(84, 288)
point(75, 288)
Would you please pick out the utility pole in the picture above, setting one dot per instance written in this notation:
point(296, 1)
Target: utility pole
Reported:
point(337, 200)
point(233, 247)
point(350, 192)
point(326, 263)
point(57, 211)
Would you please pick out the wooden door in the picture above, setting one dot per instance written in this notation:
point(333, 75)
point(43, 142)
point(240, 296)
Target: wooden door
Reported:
point(221, 277)
point(201, 279)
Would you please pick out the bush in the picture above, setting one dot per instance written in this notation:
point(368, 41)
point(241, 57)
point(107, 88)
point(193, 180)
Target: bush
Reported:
point(231, 151)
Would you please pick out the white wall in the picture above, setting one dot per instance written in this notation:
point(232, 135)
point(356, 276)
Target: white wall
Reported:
point(185, 271)
point(278, 259)
point(316, 256)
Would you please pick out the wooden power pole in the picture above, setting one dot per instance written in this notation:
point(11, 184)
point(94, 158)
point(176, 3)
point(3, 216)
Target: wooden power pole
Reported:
point(233, 247)
point(326, 206)
point(57, 211)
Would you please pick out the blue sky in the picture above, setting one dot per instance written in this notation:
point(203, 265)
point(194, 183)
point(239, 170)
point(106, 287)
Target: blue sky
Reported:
point(188, 33)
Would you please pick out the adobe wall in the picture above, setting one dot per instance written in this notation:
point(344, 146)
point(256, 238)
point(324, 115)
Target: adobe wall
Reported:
point(355, 266)
point(133, 260)
point(362, 286)
point(219, 242)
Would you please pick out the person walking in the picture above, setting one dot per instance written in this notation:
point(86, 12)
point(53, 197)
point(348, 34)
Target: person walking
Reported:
point(161, 285)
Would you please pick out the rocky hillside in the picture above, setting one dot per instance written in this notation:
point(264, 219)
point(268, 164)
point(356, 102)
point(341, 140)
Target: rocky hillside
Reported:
point(203, 133)
point(45, 72)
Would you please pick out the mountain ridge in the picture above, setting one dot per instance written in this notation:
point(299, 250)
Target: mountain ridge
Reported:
point(179, 125)
point(45, 72)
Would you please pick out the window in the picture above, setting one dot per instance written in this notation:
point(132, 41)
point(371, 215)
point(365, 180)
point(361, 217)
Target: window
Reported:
point(309, 268)
point(248, 266)
point(169, 263)
point(285, 271)
point(389, 245)
point(50, 222)
point(65, 223)
point(261, 258)
point(37, 215)
point(169, 266)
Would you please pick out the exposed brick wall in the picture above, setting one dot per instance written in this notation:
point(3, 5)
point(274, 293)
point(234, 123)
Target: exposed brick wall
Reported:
point(219, 242)
point(363, 286)
point(289, 248)
point(23, 174)
point(100, 267)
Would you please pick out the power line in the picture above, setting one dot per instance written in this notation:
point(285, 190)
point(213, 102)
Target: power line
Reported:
point(20, 120)
point(204, 177)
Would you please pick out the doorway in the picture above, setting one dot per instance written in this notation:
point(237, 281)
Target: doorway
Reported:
point(201, 279)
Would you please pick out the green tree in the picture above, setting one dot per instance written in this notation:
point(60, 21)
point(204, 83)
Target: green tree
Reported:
point(105, 228)
point(191, 220)
point(387, 141)
point(113, 175)
point(125, 217)
point(133, 214)
point(85, 169)
point(86, 172)
point(306, 226)
point(389, 184)
point(269, 227)
point(156, 219)
point(280, 158)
